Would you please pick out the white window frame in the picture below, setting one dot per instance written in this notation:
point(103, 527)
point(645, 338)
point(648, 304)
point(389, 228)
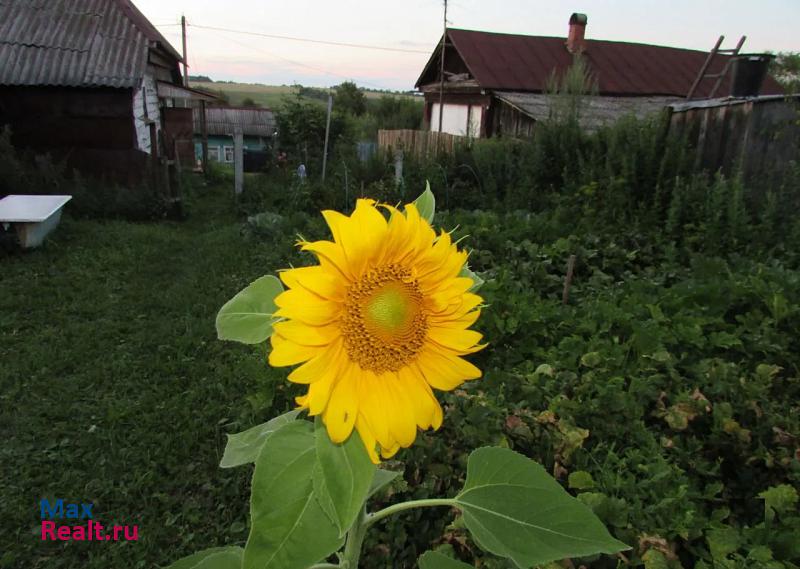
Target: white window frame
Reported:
point(213, 154)
point(225, 150)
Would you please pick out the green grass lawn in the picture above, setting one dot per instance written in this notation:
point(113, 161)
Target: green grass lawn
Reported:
point(114, 389)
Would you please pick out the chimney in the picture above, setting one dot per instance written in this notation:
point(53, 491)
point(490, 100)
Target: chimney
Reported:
point(577, 29)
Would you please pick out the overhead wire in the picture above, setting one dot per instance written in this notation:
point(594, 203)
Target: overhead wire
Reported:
point(309, 40)
point(296, 63)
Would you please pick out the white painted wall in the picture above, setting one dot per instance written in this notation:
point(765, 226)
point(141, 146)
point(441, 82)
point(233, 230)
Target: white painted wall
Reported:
point(147, 93)
point(462, 120)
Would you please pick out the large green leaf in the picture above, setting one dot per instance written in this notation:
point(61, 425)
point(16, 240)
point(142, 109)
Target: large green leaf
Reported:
point(436, 560)
point(214, 558)
point(426, 203)
point(288, 529)
point(243, 448)
point(382, 479)
point(514, 509)
point(343, 481)
point(248, 316)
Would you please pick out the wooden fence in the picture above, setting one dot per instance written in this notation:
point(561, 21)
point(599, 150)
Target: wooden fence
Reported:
point(419, 142)
point(759, 137)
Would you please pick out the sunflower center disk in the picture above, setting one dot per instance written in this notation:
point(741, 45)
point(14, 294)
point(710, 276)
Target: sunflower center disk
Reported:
point(384, 324)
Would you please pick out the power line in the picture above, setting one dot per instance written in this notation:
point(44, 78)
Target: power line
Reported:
point(309, 40)
point(296, 63)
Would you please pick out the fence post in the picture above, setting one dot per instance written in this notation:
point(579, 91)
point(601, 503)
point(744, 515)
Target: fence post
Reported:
point(398, 166)
point(238, 160)
point(568, 280)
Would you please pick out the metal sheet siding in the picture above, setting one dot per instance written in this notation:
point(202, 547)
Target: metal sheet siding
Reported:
point(71, 43)
point(526, 63)
point(225, 120)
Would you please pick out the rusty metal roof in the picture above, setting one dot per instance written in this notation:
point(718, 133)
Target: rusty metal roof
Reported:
point(526, 63)
point(75, 43)
point(225, 121)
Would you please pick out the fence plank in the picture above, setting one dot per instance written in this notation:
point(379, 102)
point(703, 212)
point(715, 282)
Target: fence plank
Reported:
point(419, 143)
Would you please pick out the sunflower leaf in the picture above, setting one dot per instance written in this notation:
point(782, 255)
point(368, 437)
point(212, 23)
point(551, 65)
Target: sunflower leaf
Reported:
point(288, 528)
point(248, 316)
point(243, 448)
point(381, 480)
point(426, 203)
point(476, 280)
point(344, 477)
point(514, 509)
point(436, 560)
point(215, 558)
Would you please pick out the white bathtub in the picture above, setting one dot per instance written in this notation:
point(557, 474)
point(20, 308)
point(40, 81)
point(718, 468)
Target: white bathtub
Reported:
point(33, 217)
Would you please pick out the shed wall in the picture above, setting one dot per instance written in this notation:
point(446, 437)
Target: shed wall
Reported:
point(146, 109)
point(92, 129)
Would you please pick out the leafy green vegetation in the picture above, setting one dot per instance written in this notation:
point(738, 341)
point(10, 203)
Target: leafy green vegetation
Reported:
point(664, 392)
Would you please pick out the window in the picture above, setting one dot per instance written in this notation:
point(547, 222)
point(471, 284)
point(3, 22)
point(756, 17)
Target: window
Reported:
point(229, 154)
point(213, 153)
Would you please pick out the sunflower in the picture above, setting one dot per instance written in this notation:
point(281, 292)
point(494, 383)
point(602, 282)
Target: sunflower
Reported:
point(376, 325)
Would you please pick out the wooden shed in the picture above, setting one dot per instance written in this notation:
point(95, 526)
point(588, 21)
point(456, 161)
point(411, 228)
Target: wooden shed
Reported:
point(92, 82)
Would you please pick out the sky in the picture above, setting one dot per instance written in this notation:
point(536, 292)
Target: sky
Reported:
point(416, 26)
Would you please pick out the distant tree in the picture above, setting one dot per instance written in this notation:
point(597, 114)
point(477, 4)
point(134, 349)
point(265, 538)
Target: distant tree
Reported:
point(393, 112)
point(249, 102)
point(311, 92)
point(350, 99)
point(201, 78)
point(786, 69)
point(301, 131)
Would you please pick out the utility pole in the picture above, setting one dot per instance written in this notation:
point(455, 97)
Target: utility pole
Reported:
point(185, 64)
point(327, 133)
point(441, 70)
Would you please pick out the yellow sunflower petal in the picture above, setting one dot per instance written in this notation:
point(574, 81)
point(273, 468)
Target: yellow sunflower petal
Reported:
point(402, 423)
point(367, 438)
point(455, 339)
point(388, 453)
point(374, 399)
point(317, 280)
point(444, 371)
point(306, 307)
point(319, 366)
point(306, 335)
point(342, 410)
point(427, 411)
point(286, 353)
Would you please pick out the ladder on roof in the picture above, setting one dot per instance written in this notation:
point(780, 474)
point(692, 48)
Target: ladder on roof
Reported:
point(718, 76)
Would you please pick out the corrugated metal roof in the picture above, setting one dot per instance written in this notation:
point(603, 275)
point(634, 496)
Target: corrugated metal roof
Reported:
point(594, 112)
point(74, 43)
point(225, 120)
point(526, 63)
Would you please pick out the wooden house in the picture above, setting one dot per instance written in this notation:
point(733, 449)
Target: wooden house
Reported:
point(93, 82)
point(256, 125)
point(497, 84)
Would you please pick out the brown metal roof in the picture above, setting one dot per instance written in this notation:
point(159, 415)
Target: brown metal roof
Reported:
point(225, 121)
point(75, 43)
point(526, 63)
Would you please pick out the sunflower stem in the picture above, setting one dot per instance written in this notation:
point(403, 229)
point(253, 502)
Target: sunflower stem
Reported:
point(355, 539)
point(380, 514)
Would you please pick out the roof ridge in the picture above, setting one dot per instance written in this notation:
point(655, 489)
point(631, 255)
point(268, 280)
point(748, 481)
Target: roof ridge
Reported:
point(595, 40)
